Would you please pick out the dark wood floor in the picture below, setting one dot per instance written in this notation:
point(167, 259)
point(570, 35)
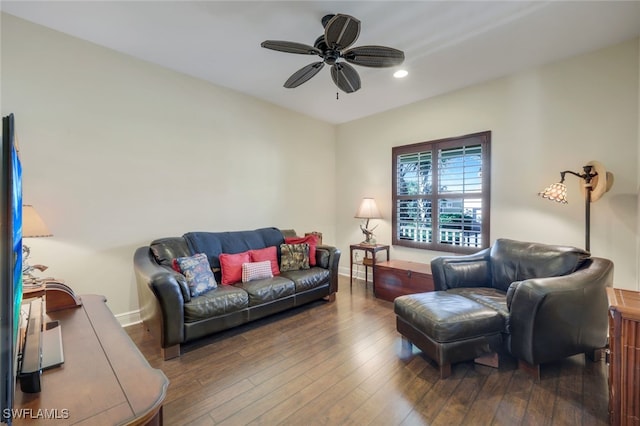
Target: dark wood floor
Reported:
point(343, 363)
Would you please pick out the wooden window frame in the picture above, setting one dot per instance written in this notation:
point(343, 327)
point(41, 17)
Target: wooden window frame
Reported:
point(482, 138)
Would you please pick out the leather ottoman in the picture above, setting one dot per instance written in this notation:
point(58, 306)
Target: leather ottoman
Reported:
point(448, 327)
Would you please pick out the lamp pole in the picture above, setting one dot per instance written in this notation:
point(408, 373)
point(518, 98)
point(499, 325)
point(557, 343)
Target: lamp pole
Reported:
point(587, 215)
point(588, 176)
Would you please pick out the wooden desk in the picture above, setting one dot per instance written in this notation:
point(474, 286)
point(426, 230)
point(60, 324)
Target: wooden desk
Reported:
point(367, 261)
point(104, 380)
point(624, 359)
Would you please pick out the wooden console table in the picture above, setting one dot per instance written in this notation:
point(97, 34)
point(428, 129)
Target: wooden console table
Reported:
point(399, 277)
point(104, 380)
point(624, 362)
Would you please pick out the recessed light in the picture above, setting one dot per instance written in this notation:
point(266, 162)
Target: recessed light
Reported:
point(401, 74)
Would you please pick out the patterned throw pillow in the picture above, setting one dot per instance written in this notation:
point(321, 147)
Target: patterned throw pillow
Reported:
point(256, 271)
point(294, 257)
point(198, 273)
point(312, 240)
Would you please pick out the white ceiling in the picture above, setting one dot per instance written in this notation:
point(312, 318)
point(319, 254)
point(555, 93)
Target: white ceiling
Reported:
point(448, 44)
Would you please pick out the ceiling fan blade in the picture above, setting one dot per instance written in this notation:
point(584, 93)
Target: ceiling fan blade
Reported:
point(290, 47)
point(374, 56)
point(341, 31)
point(303, 75)
point(345, 77)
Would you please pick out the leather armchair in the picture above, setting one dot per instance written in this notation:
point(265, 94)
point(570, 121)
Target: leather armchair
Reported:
point(554, 298)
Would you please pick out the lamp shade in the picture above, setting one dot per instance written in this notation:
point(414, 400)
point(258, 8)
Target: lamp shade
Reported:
point(368, 209)
point(32, 223)
point(555, 192)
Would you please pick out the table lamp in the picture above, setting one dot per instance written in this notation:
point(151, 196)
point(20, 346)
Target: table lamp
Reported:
point(368, 210)
point(32, 227)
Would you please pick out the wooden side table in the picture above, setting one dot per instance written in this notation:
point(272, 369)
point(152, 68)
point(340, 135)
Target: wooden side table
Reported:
point(367, 261)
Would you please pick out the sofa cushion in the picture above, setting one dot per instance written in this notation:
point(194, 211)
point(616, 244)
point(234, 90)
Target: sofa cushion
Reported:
point(518, 261)
point(312, 240)
point(306, 279)
point(267, 290)
point(231, 265)
point(256, 271)
point(166, 249)
point(294, 257)
point(267, 253)
point(219, 301)
point(198, 273)
point(489, 297)
point(215, 243)
point(323, 257)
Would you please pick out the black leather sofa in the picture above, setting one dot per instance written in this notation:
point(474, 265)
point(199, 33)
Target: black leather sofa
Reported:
point(174, 317)
point(536, 302)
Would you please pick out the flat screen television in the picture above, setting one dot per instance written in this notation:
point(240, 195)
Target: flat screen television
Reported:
point(10, 265)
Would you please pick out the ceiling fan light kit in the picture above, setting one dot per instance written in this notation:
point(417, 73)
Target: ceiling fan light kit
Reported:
point(340, 32)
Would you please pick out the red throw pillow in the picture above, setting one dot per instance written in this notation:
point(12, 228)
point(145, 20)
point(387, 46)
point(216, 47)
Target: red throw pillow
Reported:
point(231, 265)
point(312, 240)
point(268, 253)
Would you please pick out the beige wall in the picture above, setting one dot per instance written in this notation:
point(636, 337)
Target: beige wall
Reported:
point(543, 121)
point(117, 152)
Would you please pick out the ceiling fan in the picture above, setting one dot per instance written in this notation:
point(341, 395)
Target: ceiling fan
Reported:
point(340, 32)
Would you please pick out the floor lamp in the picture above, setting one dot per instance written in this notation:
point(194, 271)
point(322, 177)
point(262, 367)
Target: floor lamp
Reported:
point(597, 181)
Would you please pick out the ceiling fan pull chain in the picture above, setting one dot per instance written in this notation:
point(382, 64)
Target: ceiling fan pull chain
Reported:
point(337, 95)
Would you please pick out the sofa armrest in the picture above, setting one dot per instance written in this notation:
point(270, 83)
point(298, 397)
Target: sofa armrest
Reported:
point(461, 271)
point(161, 298)
point(328, 257)
point(552, 318)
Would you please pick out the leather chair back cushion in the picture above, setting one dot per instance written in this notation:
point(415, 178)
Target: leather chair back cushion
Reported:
point(518, 261)
point(467, 274)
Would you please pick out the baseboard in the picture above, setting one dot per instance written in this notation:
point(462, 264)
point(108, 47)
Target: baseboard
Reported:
point(358, 273)
point(129, 318)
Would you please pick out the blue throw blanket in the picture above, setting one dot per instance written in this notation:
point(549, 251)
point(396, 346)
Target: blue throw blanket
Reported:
point(214, 243)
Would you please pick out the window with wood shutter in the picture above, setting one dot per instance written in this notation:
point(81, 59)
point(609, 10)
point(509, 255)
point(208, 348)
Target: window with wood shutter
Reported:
point(441, 194)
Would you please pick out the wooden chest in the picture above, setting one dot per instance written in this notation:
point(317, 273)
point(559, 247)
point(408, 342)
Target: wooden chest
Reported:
point(399, 277)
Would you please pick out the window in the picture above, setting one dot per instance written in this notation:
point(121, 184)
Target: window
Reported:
point(441, 194)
